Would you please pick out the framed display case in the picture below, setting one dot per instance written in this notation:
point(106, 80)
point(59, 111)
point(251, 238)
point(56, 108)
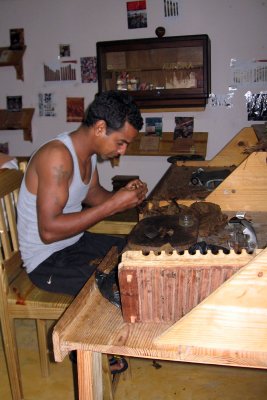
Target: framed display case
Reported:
point(166, 72)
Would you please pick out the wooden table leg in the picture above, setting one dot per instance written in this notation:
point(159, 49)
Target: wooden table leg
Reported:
point(90, 383)
point(108, 385)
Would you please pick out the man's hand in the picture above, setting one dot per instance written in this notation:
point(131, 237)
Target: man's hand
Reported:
point(129, 196)
point(135, 184)
point(139, 187)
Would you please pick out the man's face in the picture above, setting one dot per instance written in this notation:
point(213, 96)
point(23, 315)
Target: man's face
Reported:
point(115, 143)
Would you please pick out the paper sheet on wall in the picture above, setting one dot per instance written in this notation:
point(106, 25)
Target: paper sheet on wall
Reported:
point(63, 71)
point(46, 105)
point(248, 73)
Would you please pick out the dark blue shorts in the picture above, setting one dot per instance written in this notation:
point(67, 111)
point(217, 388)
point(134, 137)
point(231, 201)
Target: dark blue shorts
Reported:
point(67, 270)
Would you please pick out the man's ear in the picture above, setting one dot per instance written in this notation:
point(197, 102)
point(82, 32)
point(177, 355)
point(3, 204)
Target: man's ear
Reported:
point(100, 128)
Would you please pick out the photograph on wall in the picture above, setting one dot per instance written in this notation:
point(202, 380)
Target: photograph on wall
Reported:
point(75, 109)
point(46, 105)
point(221, 100)
point(170, 8)
point(88, 70)
point(14, 103)
point(256, 106)
point(16, 39)
point(153, 126)
point(63, 71)
point(4, 148)
point(184, 127)
point(248, 73)
point(136, 14)
point(64, 50)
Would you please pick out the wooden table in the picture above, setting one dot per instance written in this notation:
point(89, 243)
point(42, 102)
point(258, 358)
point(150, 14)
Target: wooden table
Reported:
point(228, 328)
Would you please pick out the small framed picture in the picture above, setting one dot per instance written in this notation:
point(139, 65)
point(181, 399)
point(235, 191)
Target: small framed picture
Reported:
point(154, 126)
point(64, 50)
point(171, 8)
point(14, 103)
point(4, 148)
point(46, 105)
point(184, 127)
point(16, 39)
point(136, 14)
point(75, 109)
point(88, 69)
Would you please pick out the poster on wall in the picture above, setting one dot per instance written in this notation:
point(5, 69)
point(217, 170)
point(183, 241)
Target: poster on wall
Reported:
point(4, 148)
point(75, 109)
point(153, 126)
point(14, 103)
point(63, 71)
point(46, 105)
point(221, 100)
point(136, 14)
point(256, 106)
point(170, 8)
point(64, 50)
point(16, 39)
point(88, 70)
point(248, 73)
point(184, 127)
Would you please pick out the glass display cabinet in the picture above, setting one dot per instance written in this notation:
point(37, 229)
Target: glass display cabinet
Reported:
point(166, 72)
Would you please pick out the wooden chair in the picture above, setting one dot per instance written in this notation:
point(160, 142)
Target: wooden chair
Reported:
point(19, 298)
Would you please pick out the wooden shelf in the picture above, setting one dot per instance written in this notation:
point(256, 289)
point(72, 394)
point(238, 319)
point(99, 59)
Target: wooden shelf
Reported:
point(16, 120)
point(13, 58)
point(172, 109)
point(166, 146)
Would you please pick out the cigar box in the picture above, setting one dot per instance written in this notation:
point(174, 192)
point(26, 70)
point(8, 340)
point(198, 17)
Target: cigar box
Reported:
point(164, 287)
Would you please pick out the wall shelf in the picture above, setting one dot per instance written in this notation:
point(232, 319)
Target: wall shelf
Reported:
point(16, 120)
point(13, 58)
point(167, 147)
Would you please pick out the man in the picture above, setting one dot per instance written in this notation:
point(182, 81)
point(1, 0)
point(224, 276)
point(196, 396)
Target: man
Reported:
point(61, 177)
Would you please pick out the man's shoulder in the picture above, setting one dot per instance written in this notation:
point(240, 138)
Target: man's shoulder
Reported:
point(54, 143)
point(54, 146)
point(51, 154)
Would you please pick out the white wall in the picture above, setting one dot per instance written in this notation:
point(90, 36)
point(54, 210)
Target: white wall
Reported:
point(237, 29)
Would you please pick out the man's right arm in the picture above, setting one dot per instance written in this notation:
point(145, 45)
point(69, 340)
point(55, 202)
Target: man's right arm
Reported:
point(54, 173)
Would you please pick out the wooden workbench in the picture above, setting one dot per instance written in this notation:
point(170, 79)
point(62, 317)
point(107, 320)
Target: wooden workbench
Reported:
point(244, 189)
point(228, 328)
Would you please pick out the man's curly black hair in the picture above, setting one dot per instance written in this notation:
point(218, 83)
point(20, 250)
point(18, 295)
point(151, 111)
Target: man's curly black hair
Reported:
point(115, 108)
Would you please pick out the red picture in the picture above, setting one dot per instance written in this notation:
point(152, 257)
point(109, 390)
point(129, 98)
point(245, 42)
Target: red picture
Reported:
point(136, 14)
point(75, 109)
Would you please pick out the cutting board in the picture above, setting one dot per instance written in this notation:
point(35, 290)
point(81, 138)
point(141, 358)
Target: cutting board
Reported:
point(160, 232)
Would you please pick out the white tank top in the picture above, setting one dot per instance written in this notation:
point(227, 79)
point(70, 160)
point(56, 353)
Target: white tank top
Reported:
point(33, 250)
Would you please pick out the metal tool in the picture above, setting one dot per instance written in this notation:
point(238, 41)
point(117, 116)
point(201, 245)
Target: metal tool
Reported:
point(209, 179)
point(243, 234)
